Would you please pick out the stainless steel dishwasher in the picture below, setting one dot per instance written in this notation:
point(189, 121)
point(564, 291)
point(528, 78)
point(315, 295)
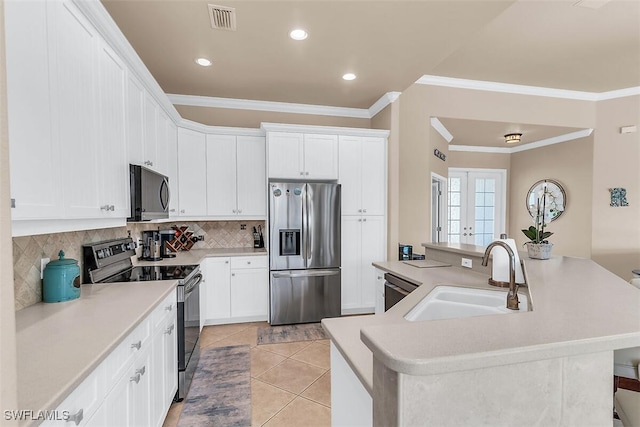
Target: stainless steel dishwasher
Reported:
point(396, 288)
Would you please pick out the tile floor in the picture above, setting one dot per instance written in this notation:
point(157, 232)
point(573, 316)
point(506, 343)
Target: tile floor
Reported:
point(290, 382)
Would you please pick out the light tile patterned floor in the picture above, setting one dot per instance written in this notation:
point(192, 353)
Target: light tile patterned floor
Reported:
point(290, 382)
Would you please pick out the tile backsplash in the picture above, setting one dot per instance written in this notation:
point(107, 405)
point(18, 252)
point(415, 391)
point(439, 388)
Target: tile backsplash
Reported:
point(28, 250)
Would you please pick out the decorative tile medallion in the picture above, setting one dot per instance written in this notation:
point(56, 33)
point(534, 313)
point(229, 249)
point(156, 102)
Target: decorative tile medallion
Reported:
point(618, 197)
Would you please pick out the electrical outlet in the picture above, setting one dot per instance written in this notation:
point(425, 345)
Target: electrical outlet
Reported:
point(43, 264)
point(467, 263)
point(243, 226)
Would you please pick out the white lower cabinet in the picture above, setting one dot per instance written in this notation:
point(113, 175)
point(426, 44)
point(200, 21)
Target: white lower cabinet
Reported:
point(134, 386)
point(236, 289)
point(363, 242)
point(351, 403)
point(379, 290)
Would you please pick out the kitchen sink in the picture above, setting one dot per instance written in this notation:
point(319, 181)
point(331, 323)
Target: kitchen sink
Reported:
point(448, 302)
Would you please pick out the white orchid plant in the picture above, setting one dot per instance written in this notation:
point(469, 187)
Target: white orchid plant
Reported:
point(541, 214)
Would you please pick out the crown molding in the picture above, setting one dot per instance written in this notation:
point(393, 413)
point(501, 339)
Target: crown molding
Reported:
point(386, 99)
point(525, 90)
point(530, 146)
point(280, 107)
point(220, 130)
point(441, 129)
point(331, 130)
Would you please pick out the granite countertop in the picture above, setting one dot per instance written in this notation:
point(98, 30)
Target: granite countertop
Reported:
point(60, 344)
point(579, 307)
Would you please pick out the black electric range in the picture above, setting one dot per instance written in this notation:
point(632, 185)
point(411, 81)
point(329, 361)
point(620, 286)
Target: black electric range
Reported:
point(155, 272)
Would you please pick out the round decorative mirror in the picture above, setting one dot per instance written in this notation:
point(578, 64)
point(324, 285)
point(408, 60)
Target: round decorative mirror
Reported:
point(546, 196)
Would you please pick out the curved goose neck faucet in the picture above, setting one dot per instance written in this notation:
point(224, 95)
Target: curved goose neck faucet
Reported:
point(512, 296)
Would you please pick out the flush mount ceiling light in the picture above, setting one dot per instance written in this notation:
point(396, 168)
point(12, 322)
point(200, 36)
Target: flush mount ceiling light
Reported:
point(512, 138)
point(349, 76)
point(204, 62)
point(298, 34)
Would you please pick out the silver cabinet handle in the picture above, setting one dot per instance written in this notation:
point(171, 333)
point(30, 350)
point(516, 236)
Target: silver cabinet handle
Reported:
point(307, 173)
point(239, 210)
point(235, 211)
point(364, 219)
point(137, 345)
point(181, 210)
point(301, 173)
point(172, 210)
point(233, 274)
point(135, 378)
point(169, 308)
point(107, 208)
point(359, 219)
point(169, 329)
point(148, 163)
point(141, 371)
point(77, 417)
point(249, 262)
point(364, 210)
point(379, 277)
point(226, 262)
point(360, 210)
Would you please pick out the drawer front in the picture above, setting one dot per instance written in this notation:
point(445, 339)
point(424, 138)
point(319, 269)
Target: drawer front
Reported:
point(165, 310)
point(248, 262)
point(123, 356)
point(80, 405)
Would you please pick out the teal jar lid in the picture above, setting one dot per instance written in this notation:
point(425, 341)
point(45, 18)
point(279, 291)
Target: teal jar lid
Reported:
point(62, 261)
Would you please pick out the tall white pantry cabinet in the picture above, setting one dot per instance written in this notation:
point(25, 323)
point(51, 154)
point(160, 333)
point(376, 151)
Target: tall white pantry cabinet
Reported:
point(356, 159)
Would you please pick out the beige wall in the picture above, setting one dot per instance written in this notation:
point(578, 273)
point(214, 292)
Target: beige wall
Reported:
point(571, 164)
point(252, 119)
point(616, 231)
point(8, 383)
point(388, 119)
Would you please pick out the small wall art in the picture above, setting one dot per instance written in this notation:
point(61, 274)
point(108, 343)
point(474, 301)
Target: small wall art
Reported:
point(618, 197)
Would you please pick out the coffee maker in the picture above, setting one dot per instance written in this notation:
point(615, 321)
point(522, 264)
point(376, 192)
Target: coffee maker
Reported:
point(151, 246)
point(165, 237)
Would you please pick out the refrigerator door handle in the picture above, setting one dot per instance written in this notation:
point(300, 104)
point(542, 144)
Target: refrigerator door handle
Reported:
point(307, 273)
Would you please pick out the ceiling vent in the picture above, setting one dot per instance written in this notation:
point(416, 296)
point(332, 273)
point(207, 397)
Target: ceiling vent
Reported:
point(222, 17)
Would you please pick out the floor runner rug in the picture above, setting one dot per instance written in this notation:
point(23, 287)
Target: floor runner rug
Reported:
point(220, 393)
point(291, 333)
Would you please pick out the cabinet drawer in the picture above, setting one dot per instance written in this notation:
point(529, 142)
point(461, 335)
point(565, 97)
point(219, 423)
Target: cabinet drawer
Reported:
point(248, 262)
point(80, 405)
point(165, 310)
point(123, 356)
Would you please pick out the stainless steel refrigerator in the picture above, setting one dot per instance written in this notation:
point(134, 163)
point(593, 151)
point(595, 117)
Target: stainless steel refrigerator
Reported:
point(304, 260)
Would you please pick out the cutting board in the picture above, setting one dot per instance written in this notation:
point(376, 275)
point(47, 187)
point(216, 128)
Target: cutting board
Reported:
point(426, 263)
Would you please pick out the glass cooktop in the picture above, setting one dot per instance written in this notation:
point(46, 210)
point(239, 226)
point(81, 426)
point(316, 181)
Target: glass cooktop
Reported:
point(157, 272)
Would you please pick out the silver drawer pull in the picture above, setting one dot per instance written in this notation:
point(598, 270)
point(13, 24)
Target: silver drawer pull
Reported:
point(135, 378)
point(168, 308)
point(170, 329)
point(76, 418)
point(142, 370)
point(137, 345)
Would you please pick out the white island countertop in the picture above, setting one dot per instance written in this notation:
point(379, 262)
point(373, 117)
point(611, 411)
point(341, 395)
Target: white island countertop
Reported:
point(578, 307)
point(60, 344)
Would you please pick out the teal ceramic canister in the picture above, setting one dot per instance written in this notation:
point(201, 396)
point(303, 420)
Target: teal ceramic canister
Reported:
point(61, 280)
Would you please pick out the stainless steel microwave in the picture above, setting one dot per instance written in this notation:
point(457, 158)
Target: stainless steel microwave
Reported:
point(149, 194)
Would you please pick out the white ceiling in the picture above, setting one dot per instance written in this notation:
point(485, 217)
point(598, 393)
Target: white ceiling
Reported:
point(387, 44)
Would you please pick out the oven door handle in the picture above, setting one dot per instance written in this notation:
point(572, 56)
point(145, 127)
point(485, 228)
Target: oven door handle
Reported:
point(191, 284)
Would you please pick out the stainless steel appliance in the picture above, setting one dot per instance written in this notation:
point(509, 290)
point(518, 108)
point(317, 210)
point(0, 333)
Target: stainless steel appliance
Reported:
point(395, 288)
point(110, 262)
point(151, 245)
point(165, 237)
point(149, 194)
point(304, 261)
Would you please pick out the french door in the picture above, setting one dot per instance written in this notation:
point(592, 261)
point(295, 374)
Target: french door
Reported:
point(476, 205)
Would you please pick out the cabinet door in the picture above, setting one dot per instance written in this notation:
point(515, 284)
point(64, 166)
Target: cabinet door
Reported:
point(192, 172)
point(75, 96)
point(34, 151)
point(351, 263)
point(164, 370)
point(251, 176)
point(250, 293)
point(373, 249)
point(374, 176)
point(114, 166)
point(149, 138)
point(135, 120)
point(350, 155)
point(217, 284)
point(379, 290)
point(285, 155)
point(162, 143)
point(170, 360)
point(172, 172)
point(321, 156)
point(221, 175)
point(141, 390)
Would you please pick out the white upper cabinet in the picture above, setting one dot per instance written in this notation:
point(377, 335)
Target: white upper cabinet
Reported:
point(302, 156)
point(236, 179)
point(363, 175)
point(113, 164)
point(172, 167)
point(192, 173)
point(75, 91)
point(135, 120)
point(150, 121)
point(36, 185)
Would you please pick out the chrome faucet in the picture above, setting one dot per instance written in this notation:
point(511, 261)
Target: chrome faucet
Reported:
point(512, 295)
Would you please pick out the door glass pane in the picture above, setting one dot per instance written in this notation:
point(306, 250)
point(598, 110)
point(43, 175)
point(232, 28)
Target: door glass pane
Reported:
point(454, 203)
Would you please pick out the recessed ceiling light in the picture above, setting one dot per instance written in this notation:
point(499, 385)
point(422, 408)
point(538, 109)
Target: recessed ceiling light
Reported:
point(349, 76)
point(298, 34)
point(204, 62)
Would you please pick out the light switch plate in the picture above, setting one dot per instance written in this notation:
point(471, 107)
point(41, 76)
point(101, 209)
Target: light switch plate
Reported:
point(43, 264)
point(467, 263)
